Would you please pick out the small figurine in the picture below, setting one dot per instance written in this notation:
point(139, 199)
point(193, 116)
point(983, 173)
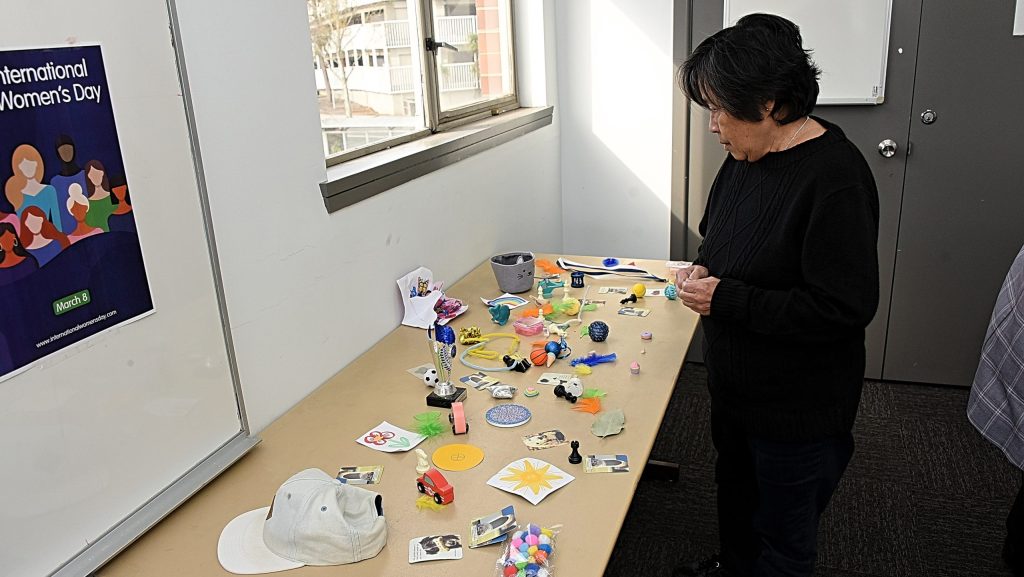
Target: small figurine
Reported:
point(421, 462)
point(571, 391)
point(554, 350)
point(433, 483)
point(541, 301)
point(630, 299)
point(560, 392)
point(547, 286)
point(574, 457)
point(646, 335)
point(531, 392)
point(634, 368)
point(500, 314)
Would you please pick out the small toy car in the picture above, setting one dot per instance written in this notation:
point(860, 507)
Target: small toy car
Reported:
point(433, 483)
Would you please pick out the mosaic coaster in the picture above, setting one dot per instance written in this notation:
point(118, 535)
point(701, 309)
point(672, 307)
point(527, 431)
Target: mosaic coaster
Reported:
point(507, 415)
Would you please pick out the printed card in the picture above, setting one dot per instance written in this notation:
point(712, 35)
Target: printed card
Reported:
point(367, 475)
point(419, 371)
point(616, 290)
point(479, 381)
point(606, 464)
point(544, 440)
point(634, 312)
point(388, 438)
point(492, 528)
point(509, 300)
point(531, 479)
point(554, 379)
point(435, 548)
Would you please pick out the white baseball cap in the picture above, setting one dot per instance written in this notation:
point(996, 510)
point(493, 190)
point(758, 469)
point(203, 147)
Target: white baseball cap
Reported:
point(313, 520)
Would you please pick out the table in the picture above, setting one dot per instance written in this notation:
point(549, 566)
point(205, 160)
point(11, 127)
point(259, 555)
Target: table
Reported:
point(321, 430)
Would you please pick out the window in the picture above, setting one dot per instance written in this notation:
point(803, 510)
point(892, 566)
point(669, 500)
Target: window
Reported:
point(390, 71)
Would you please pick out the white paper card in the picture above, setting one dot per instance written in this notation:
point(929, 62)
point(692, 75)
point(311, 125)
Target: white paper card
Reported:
point(388, 438)
point(435, 548)
point(531, 479)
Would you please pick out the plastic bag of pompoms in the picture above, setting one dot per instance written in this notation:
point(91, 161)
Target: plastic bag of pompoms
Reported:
point(528, 553)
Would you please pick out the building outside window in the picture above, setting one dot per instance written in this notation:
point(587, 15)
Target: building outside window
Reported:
point(378, 85)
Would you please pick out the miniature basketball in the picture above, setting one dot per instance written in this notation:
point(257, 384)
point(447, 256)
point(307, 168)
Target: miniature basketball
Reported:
point(538, 356)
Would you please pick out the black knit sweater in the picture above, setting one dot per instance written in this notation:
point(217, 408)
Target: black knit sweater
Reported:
point(793, 239)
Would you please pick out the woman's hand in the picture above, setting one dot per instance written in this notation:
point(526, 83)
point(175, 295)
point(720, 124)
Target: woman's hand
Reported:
point(692, 272)
point(697, 292)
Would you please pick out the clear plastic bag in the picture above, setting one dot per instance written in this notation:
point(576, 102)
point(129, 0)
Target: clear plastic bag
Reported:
point(528, 552)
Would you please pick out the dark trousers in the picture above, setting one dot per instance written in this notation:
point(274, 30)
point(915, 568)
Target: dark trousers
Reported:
point(770, 498)
point(1013, 547)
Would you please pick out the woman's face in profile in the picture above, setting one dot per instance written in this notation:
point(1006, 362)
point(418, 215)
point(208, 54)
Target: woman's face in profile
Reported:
point(742, 139)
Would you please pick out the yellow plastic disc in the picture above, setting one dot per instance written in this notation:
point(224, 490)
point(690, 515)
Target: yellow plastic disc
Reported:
point(457, 457)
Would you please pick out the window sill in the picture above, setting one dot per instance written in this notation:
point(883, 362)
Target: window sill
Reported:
point(360, 178)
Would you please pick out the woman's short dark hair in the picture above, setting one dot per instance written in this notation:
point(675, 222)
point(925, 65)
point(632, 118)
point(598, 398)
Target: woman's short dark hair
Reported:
point(741, 68)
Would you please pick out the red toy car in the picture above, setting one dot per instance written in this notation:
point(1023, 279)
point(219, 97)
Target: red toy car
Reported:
point(433, 483)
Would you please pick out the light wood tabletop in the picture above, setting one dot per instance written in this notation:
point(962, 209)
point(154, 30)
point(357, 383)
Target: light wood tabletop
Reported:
point(321, 431)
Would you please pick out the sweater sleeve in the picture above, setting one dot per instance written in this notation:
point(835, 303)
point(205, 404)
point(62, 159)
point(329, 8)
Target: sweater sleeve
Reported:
point(839, 265)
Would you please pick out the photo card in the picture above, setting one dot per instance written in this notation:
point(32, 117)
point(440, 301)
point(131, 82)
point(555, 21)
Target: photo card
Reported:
point(492, 528)
point(544, 440)
point(363, 475)
point(435, 548)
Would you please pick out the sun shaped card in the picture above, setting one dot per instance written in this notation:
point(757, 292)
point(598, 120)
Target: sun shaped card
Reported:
point(531, 479)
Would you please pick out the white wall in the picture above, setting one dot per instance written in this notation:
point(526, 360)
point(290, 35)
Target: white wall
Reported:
point(615, 101)
point(308, 291)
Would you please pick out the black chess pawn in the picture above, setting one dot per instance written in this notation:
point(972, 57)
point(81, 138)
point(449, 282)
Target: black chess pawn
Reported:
point(561, 392)
point(574, 457)
point(630, 299)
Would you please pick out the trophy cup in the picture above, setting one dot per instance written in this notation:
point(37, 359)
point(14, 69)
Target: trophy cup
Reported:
point(442, 350)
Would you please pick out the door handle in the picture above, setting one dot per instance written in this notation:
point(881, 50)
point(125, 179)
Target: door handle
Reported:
point(887, 148)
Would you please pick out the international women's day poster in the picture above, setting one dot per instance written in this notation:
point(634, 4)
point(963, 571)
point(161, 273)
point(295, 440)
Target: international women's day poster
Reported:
point(70, 261)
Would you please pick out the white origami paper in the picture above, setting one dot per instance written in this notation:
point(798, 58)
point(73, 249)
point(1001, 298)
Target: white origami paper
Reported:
point(419, 310)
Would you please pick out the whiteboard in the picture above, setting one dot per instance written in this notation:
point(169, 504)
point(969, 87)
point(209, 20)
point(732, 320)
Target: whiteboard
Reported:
point(850, 42)
point(103, 438)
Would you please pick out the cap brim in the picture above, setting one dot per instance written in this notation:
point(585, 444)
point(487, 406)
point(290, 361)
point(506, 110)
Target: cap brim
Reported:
point(241, 549)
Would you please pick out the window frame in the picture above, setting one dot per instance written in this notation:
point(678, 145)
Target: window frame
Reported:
point(435, 119)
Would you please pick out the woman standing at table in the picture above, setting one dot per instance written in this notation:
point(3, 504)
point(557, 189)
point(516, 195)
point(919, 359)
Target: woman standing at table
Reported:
point(786, 280)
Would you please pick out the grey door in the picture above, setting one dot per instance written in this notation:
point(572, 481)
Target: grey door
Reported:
point(962, 219)
point(867, 126)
